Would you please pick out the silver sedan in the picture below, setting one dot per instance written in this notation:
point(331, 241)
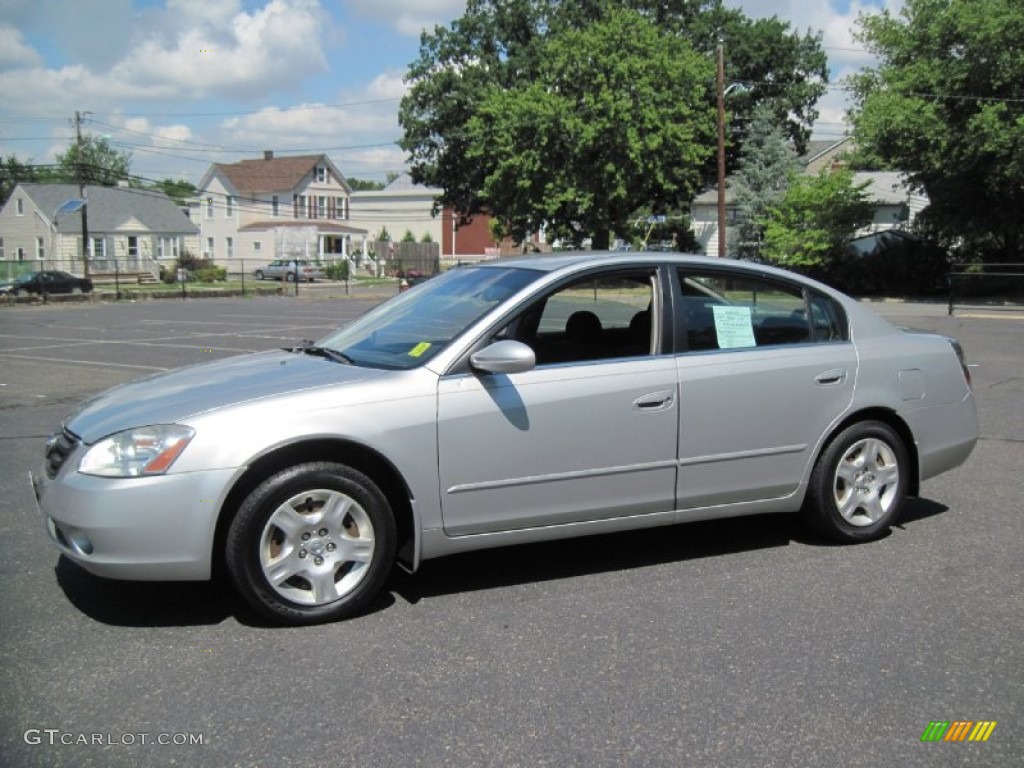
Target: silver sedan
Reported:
point(509, 402)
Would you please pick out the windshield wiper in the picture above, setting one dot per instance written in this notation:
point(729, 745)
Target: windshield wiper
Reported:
point(309, 348)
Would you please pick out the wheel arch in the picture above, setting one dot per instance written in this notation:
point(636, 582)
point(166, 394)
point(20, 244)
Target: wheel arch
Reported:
point(891, 419)
point(355, 455)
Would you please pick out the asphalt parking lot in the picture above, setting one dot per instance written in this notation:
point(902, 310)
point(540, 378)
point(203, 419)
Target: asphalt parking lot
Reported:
point(743, 642)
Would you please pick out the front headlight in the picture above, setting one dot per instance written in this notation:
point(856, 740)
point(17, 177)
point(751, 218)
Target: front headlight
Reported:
point(134, 452)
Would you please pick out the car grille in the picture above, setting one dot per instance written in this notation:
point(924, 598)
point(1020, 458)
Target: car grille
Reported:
point(58, 448)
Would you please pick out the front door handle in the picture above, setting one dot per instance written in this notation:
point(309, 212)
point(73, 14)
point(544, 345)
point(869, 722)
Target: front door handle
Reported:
point(655, 401)
point(829, 378)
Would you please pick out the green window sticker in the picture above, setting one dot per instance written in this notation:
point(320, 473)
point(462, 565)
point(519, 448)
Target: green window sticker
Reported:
point(419, 349)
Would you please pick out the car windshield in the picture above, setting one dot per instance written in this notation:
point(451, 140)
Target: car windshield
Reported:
point(416, 325)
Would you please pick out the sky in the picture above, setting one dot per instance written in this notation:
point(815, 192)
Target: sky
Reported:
point(184, 83)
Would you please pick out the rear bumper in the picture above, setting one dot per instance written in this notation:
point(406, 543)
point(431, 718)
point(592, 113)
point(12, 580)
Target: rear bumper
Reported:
point(945, 434)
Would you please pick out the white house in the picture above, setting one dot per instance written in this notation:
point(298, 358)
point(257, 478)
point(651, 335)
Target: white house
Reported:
point(276, 207)
point(135, 226)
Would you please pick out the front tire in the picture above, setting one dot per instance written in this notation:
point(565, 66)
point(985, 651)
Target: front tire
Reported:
point(259, 274)
point(313, 543)
point(858, 486)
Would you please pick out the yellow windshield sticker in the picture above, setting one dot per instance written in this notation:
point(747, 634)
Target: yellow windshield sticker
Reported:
point(419, 349)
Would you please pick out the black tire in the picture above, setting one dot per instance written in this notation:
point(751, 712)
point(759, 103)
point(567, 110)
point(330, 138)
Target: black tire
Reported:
point(333, 560)
point(77, 289)
point(289, 277)
point(859, 483)
point(259, 274)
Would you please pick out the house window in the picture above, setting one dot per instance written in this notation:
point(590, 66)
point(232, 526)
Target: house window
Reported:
point(230, 246)
point(97, 248)
point(321, 174)
point(321, 207)
point(339, 208)
point(20, 207)
point(229, 207)
point(168, 247)
point(208, 250)
point(257, 246)
point(21, 253)
point(133, 246)
point(299, 204)
point(209, 207)
point(274, 205)
point(1, 249)
point(40, 250)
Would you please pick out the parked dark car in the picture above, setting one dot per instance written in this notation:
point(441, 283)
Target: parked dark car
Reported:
point(47, 281)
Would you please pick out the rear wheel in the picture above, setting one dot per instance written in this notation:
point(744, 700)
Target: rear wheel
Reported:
point(76, 289)
point(289, 277)
point(259, 274)
point(858, 486)
point(313, 543)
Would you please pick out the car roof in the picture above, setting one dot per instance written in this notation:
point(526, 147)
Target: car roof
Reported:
point(556, 261)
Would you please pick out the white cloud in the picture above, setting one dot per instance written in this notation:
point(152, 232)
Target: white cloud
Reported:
point(410, 17)
point(228, 52)
point(13, 50)
point(358, 131)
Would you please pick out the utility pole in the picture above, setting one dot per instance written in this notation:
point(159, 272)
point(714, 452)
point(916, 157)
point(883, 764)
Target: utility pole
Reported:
point(721, 151)
point(81, 192)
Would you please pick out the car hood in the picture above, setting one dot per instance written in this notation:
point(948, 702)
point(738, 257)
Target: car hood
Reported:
point(174, 396)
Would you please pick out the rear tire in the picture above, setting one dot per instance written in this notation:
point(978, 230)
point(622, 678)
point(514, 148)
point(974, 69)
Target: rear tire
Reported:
point(858, 486)
point(259, 274)
point(313, 543)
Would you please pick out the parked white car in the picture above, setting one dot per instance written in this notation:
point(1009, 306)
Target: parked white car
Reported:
point(288, 269)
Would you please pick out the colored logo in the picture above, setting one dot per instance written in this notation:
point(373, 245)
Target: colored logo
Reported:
point(958, 730)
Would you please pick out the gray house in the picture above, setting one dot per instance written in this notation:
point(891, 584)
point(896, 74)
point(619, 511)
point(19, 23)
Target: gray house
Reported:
point(139, 228)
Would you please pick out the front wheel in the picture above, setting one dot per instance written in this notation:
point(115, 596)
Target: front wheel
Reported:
point(289, 277)
point(313, 543)
point(859, 483)
point(259, 274)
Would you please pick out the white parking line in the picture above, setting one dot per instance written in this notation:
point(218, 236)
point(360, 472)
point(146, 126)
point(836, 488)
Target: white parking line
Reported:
point(83, 362)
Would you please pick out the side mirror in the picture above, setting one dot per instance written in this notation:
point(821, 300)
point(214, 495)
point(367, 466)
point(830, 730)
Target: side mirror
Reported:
point(504, 357)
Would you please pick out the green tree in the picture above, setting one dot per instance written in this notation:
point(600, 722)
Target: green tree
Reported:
point(810, 226)
point(615, 118)
point(762, 177)
point(364, 185)
point(100, 163)
point(179, 190)
point(14, 172)
point(946, 106)
point(502, 45)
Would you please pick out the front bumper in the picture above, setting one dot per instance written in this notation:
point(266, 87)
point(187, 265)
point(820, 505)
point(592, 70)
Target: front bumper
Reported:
point(142, 528)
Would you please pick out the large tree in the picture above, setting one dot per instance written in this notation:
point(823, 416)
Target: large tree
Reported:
point(501, 44)
point(616, 117)
point(762, 177)
point(94, 161)
point(946, 105)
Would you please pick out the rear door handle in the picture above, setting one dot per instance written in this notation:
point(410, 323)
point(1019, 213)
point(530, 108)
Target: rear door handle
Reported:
point(655, 401)
point(834, 376)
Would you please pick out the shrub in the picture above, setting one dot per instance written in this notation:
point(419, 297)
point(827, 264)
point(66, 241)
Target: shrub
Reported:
point(211, 274)
point(337, 271)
